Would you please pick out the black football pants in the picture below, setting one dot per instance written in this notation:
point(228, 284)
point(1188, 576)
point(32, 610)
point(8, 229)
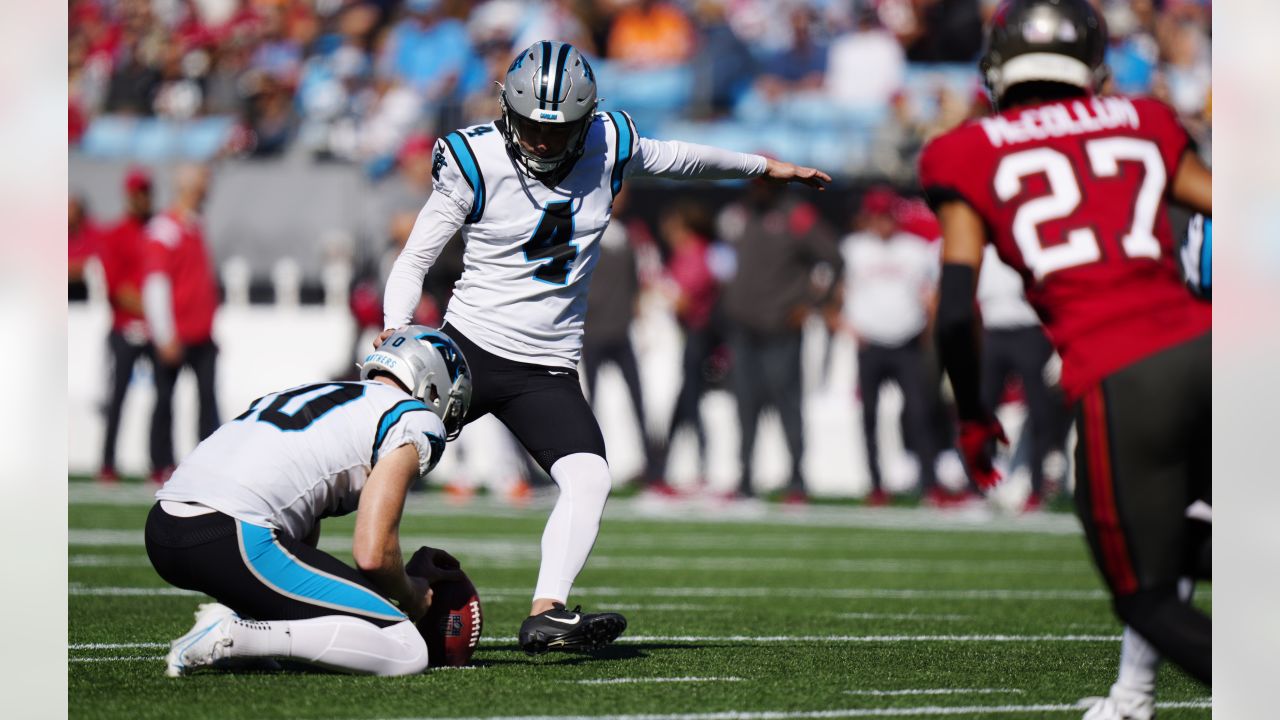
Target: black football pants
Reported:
point(1143, 454)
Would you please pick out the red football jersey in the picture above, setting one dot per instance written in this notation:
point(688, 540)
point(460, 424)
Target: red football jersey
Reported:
point(176, 248)
point(121, 254)
point(1072, 193)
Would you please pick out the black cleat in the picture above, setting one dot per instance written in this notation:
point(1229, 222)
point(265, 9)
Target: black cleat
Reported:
point(569, 631)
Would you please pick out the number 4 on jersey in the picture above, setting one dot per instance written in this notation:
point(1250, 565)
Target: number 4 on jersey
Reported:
point(551, 243)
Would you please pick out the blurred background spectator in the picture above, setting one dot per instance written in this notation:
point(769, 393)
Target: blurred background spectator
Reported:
point(180, 296)
point(688, 232)
point(888, 292)
point(612, 304)
point(779, 241)
point(1015, 349)
point(121, 253)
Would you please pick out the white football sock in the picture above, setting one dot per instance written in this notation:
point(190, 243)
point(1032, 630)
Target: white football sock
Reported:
point(584, 482)
point(336, 642)
point(1139, 661)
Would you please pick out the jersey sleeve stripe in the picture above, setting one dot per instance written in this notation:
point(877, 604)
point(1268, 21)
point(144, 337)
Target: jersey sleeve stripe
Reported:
point(389, 420)
point(624, 147)
point(560, 60)
point(466, 159)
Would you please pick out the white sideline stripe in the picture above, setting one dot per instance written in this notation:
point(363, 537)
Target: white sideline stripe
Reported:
point(696, 592)
point(625, 681)
point(506, 554)
point(116, 646)
point(936, 691)
point(979, 519)
point(848, 713)
point(117, 658)
point(744, 639)
point(111, 591)
point(900, 616)
point(751, 639)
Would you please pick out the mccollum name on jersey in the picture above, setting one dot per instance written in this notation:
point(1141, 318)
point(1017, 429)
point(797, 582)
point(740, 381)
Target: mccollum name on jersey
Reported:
point(1059, 120)
point(1072, 193)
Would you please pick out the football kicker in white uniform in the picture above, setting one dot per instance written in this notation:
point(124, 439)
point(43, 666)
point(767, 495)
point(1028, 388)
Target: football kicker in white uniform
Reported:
point(532, 194)
point(240, 517)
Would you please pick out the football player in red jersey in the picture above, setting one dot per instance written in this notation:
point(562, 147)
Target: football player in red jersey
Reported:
point(1070, 187)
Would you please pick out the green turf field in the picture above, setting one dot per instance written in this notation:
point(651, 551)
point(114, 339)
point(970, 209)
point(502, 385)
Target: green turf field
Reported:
point(756, 613)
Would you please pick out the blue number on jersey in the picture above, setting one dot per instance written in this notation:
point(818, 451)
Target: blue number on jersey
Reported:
point(551, 244)
point(306, 404)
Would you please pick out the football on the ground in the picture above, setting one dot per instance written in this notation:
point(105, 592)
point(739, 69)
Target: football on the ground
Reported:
point(453, 623)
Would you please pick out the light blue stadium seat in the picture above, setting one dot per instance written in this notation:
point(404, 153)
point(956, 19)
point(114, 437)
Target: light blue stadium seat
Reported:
point(202, 138)
point(109, 136)
point(155, 140)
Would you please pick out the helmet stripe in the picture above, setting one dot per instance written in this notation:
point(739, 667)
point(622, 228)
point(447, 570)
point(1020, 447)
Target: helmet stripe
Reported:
point(543, 78)
point(560, 61)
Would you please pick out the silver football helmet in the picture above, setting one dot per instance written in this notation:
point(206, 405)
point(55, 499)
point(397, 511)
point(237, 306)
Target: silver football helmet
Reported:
point(548, 100)
point(430, 365)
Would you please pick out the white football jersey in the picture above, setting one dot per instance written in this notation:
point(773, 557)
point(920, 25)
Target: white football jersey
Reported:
point(887, 284)
point(530, 248)
point(302, 454)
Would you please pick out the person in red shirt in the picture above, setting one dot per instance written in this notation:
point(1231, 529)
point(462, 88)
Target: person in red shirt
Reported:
point(82, 243)
point(120, 253)
point(687, 230)
point(180, 296)
point(1070, 188)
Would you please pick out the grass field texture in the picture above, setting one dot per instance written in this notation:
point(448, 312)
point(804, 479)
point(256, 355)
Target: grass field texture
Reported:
point(736, 611)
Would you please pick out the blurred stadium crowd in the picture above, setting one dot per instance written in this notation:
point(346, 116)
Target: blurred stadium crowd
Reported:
point(321, 116)
point(860, 82)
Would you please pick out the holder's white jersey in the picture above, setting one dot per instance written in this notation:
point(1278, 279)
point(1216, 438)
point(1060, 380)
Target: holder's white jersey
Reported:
point(530, 248)
point(302, 454)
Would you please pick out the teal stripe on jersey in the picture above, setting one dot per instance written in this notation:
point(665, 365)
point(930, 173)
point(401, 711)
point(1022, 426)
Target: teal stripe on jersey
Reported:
point(389, 420)
point(624, 147)
point(466, 160)
point(276, 567)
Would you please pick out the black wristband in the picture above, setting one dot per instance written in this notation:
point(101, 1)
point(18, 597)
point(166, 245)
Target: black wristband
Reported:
point(957, 336)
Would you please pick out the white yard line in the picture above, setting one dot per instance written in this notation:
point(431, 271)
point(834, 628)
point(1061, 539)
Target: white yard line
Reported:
point(703, 592)
point(116, 646)
point(628, 681)
point(750, 639)
point(899, 616)
point(936, 691)
point(977, 519)
point(117, 658)
point(927, 711)
point(500, 555)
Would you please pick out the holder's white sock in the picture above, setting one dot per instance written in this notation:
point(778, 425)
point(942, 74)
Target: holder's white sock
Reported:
point(336, 642)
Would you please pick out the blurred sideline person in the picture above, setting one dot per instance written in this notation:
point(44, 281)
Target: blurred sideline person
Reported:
point(1014, 345)
point(687, 229)
point(180, 296)
point(121, 254)
point(612, 305)
point(888, 304)
point(1070, 187)
point(532, 194)
point(83, 236)
point(240, 517)
point(779, 242)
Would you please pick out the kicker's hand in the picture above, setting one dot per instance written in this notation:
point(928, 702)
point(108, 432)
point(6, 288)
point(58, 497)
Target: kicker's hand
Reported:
point(785, 172)
point(977, 444)
point(382, 337)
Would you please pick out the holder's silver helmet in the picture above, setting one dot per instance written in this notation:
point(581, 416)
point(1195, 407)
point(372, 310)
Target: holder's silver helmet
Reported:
point(548, 99)
point(430, 364)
